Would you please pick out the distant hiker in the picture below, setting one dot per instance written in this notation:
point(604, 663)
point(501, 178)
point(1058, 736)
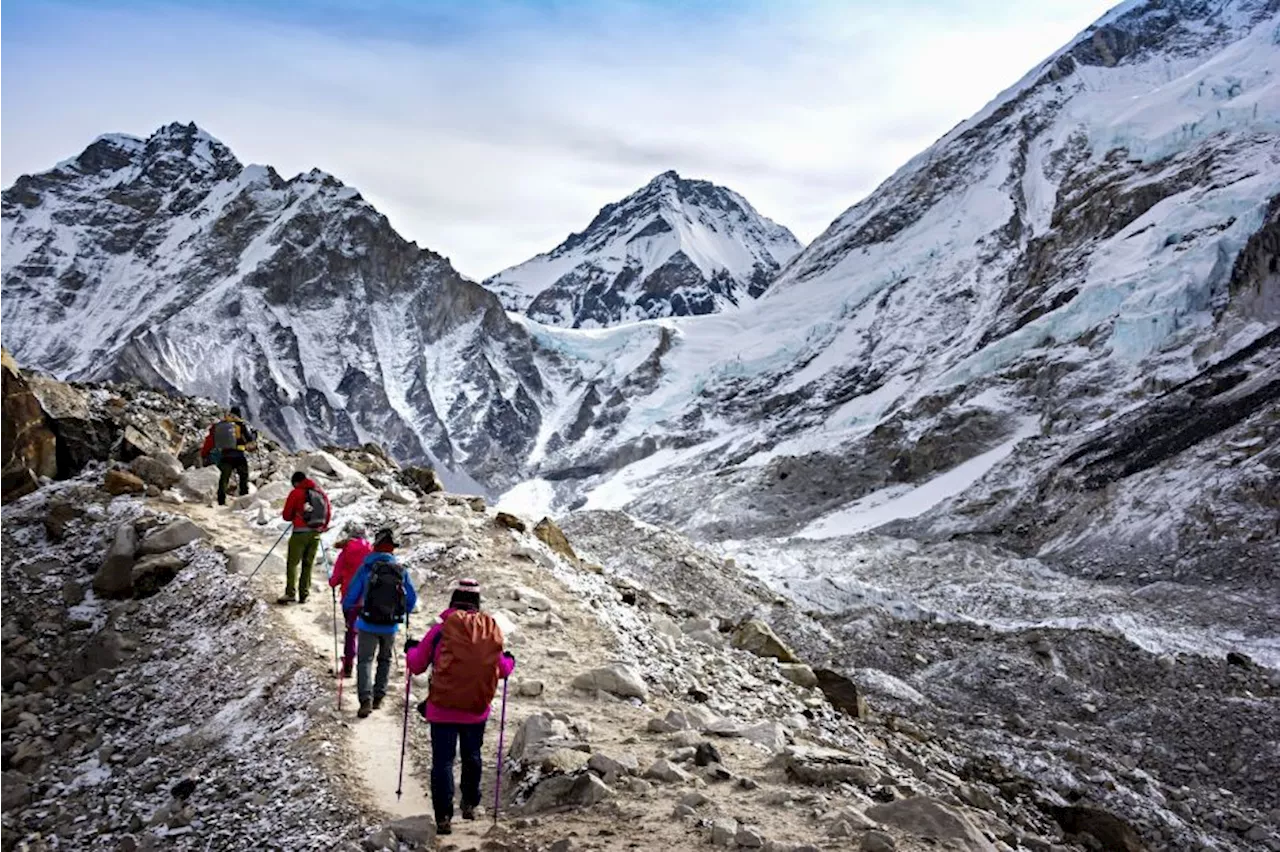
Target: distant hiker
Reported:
point(467, 659)
point(384, 594)
point(225, 446)
point(307, 508)
point(353, 548)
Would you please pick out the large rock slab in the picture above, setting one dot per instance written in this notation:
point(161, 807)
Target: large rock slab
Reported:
point(152, 573)
point(199, 484)
point(424, 480)
point(417, 832)
point(757, 637)
point(553, 537)
point(122, 482)
point(271, 493)
point(817, 765)
point(928, 818)
point(28, 444)
point(171, 537)
point(559, 792)
point(163, 471)
point(615, 678)
point(114, 577)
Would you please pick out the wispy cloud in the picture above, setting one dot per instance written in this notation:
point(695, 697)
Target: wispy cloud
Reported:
point(488, 131)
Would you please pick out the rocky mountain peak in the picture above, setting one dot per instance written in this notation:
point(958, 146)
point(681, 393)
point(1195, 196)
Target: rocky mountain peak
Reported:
point(674, 247)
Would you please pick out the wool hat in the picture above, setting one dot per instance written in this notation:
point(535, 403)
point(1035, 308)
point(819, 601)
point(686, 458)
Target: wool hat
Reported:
point(385, 538)
point(466, 594)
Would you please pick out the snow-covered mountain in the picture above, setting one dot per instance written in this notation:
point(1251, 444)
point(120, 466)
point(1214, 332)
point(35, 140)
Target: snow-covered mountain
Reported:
point(1055, 328)
point(675, 247)
point(167, 261)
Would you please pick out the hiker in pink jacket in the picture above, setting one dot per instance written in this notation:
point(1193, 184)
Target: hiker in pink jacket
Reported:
point(466, 656)
point(354, 548)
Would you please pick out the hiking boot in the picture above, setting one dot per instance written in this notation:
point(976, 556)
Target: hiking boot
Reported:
point(285, 600)
point(377, 703)
point(444, 826)
point(468, 811)
point(302, 599)
point(365, 709)
point(346, 670)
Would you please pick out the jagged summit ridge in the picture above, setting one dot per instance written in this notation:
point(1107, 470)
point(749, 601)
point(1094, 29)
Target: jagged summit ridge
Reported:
point(674, 247)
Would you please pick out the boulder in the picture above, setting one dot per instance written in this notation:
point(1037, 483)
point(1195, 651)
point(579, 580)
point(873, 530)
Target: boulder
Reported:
point(724, 832)
point(566, 761)
point(424, 480)
point(418, 832)
point(878, 841)
point(397, 493)
point(114, 577)
point(566, 791)
point(163, 471)
point(477, 504)
point(553, 537)
point(511, 522)
point(58, 514)
point(122, 482)
point(757, 637)
point(538, 736)
point(770, 735)
point(149, 438)
point(799, 674)
point(28, 445)
point(615, 678)
point(330, 464)
point(1108, 831)
point(82, 437)
point(154, 572)
point(15, 790)
point(928, 818)
point(665, 770)
point(171, 537)
point(843, 693)
point(199, 484)
point(818, 765)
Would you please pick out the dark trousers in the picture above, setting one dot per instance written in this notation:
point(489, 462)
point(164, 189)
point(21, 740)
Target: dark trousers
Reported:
point(349, 640)
point(444, 747)
point(228, 465)
point(368, 646)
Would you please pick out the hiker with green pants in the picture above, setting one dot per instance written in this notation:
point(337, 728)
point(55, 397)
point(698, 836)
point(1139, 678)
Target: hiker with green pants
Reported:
point(308, 509)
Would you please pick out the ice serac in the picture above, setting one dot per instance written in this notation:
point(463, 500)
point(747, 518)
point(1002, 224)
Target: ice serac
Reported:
point(166, 261)
point(675, 247)
point(1091, 254)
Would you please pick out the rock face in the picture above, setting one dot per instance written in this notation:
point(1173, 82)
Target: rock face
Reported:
point(673, 248)
point(206, 249)
point(30, 448)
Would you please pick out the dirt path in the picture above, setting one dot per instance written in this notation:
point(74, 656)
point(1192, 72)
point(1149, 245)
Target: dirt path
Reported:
point(374, 743)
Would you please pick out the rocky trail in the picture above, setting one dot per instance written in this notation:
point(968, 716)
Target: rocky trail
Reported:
point(156, 698)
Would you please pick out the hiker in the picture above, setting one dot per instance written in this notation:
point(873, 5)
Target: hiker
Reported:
point(225, 445)
point(307, 508)
point(353, 548)
point(384, 595)
point(467, 658)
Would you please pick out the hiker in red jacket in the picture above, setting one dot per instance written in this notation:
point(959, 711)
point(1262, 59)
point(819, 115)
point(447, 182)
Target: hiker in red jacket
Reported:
point(467, 660)
point(353, 549)
point(308, 509)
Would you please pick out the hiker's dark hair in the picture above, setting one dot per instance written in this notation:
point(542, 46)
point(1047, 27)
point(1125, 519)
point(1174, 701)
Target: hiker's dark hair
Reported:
point(235, 410)
point(298, 477)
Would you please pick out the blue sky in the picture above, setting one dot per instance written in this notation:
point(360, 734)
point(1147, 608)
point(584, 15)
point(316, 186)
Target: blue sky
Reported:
point(488, 131)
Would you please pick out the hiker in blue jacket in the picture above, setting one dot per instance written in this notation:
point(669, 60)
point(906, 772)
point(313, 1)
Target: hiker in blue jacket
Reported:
point(385, 596)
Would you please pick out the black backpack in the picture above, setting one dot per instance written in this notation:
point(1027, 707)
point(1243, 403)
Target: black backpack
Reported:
point(384, 598)
point(314, 510)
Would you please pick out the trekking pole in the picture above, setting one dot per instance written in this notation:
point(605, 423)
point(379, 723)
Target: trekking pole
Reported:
point(404, 732)
point(502, 735)
point(272, 550)
point(337, 664)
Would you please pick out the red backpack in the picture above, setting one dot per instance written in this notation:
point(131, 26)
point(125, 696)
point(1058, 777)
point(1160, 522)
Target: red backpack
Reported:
point(466, 663)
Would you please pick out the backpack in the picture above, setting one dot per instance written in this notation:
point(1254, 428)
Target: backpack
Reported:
point(226, 435)
point(314, 509)
point(384, 597)
point(466, 665)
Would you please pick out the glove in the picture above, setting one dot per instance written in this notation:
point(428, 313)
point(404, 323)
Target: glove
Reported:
point(410, 644)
